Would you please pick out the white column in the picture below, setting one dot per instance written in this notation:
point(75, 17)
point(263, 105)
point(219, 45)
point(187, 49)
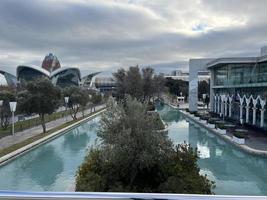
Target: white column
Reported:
point(215, 103)
point(254, 101)
point(225, 106)
point(262, 102)
point(222, 106)
point(262, 117)
point(241, 109)
point(247, 109)
point(218, 105)
point(230, 106)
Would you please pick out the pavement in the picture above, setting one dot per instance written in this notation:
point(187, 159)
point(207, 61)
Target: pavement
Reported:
point(28, 133)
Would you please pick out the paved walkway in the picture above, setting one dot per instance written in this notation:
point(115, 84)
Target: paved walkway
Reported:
point(28, 133)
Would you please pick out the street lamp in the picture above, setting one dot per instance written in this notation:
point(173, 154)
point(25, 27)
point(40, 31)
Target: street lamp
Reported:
point(66, 104)
point(13, 106)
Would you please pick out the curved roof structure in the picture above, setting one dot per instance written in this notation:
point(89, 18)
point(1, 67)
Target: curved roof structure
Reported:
point(33, 67)
point(7, 79)
point(62, 69)
point(65, 77)
point(87, 80)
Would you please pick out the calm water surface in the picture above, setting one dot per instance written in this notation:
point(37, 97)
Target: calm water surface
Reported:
point(52, 167)
point(234, 171)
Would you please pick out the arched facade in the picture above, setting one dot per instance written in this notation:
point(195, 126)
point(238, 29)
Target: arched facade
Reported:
point(66, 77)
point(26, 73)
point(7, 79)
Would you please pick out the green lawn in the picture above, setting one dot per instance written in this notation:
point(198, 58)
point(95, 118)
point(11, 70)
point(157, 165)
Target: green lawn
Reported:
point(41, 135)
point(26, 124)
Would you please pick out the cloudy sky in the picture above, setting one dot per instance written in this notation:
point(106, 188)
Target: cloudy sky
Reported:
point(107, 34)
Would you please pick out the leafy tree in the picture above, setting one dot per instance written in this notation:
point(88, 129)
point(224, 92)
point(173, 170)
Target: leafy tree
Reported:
point(5, 113)
point(134, 83)
point(176, 87)
point(141, 86)
point(120, 77)
point(78, 98)
point(40, 97)
point(148, 84)
point(135, 157)
point(203, 88)
point(159, 84)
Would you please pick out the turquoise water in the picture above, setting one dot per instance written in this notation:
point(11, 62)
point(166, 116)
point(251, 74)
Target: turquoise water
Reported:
point(52, 166)
point(235, 172)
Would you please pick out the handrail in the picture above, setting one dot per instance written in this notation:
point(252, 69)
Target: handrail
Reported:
point(12, 195)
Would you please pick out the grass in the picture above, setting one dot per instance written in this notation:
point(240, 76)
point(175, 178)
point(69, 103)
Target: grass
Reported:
point(39, 136)
point(26, 124)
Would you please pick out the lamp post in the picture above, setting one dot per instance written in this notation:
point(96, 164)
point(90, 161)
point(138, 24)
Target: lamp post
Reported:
point(1, 104)
point(66, 105)
point(13, 106)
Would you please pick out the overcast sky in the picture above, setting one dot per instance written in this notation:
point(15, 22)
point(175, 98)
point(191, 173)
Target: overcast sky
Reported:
point(107, 34)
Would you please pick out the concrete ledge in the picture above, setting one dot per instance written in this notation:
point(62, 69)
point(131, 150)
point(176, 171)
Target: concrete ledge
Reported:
point(8, 157)
point(227, 138)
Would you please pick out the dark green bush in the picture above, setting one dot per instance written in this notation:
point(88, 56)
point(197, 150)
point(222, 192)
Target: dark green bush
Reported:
point(151, 107)
point(240, 134)
point(135, 157)
point(220, 126)
point(211, 121)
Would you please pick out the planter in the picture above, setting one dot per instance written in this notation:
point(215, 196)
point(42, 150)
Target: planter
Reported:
point(221, 131)
point(238, 140)
point(211, 125)
point(203, 121)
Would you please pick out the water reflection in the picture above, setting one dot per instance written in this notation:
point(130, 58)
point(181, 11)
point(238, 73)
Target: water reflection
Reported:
point(40, 164)
point(52, 166)
point(234, 171)
point(76, 142)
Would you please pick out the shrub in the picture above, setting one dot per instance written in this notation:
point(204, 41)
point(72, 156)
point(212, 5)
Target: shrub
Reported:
point(197, 114)
point(204, 117)
point(240, 134)
point(135, 157)
point(151, 107)
point(211, 121)
point(220, 125)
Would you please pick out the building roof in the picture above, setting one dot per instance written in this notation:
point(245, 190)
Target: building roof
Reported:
point(62, 69)
point(239, 60)
point(34, 67)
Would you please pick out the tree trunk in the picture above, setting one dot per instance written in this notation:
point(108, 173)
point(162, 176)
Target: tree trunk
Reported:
point(43, 122)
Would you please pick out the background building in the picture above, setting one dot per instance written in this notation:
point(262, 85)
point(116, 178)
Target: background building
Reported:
point(104, 84)
point(238, 87)
point(66, 77)
point(184, 76)
point(50, 63)
point(7, 79)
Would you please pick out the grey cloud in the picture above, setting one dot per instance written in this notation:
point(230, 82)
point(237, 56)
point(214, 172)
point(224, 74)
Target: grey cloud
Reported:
point(106, 35)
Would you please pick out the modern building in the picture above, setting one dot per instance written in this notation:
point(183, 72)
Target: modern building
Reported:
point(51, 63)
point(26, 73)
point(7, 79)
point(238, 87)
point(51, 69)
point(104, 84)
point(184, 76)
point(87, 81)
point(66, 77)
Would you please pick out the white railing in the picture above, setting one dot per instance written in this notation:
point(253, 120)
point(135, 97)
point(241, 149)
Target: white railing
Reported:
point(105, 195)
